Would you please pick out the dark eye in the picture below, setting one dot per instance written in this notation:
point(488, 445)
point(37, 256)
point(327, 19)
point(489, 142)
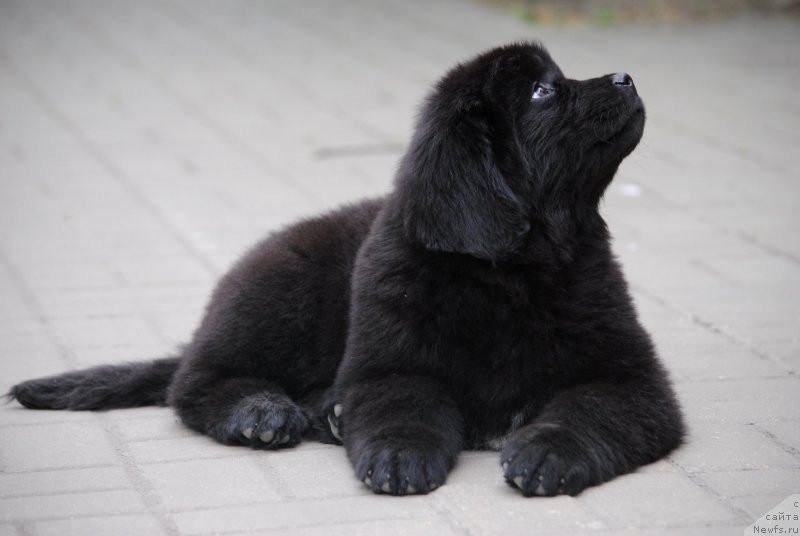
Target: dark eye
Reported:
point(540, 91)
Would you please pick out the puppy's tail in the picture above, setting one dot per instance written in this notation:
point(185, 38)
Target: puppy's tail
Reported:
point(98, 388)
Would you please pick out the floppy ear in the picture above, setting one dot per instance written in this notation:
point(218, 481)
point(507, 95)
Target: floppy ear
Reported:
point(453, 196)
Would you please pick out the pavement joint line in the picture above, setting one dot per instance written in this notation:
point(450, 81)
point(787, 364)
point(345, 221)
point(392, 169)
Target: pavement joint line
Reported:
point(298, 499)
point(143, 487)
point(273, 477)
point(721, 227)
point(788, 449)
point(755, 241)
point(730, 379)
point(33, 532)
point(65, 492)
point(697, 480)
point(701, 265)
point(81, 417)
point(110, 168)
point(357, 151)
point(179, 460)
point(62, 468)
point(449, 516)
point(192, 509)
point(712, 327)
point(88, 418)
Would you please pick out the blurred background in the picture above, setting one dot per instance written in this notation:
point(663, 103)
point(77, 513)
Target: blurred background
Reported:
point(604, 12)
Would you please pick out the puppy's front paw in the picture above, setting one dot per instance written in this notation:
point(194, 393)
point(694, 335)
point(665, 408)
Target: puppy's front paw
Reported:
point(264, 420)
point(549, 460)
point(402, 464)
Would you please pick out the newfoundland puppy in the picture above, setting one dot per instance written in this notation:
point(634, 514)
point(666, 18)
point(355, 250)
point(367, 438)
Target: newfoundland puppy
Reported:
point(477, 306)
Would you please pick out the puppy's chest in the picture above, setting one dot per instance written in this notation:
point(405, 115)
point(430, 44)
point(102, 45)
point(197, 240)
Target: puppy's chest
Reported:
point(507, 349)
point(502, 335)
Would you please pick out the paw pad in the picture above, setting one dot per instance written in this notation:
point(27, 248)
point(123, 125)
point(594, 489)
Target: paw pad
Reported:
point(263, 421)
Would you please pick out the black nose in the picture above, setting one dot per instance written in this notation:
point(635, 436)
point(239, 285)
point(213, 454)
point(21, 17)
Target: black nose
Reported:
point(622, 79)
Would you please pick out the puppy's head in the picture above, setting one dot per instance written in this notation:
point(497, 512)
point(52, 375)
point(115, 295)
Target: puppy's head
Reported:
point(507, 148)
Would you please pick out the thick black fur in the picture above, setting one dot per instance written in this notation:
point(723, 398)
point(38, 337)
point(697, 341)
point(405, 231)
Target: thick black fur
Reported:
point(477, 306)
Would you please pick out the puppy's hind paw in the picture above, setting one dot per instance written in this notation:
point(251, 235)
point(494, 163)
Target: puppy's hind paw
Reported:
point(263, 421)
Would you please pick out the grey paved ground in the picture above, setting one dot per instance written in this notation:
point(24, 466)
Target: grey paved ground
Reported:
point(144, 145)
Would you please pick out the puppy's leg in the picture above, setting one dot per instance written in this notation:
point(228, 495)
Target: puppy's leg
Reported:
point(589, 434)
point(402, 433)
point(240, 411)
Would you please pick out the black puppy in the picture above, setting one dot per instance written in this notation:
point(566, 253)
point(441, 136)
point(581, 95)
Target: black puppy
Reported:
point(477, 306)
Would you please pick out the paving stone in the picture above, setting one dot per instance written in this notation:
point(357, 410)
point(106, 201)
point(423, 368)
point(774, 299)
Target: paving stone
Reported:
point(477, 496)
point(13, 307)
point(706, 530)
point(313, 512)
point(76, 274)
point(718, 360)
point(86, 356)
point(316, 473)
point(647, 500)
point(208, 483)
point(368, 528)
point(788, 433)
point(774, 389)
point(111, 502)
point(476, 467)
point(739, 411)
point(28, 364)
point(124, 301)
point(189, 446)
point(55, 445)
point(162, 271)
point(23, 337)
point(15, 415)
point(63, 481)
point(105, 332)
point(119, 415)
point(753, 483)
point(164, 426)
point(720, 447)
point(122, 525)
point(756, 506)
